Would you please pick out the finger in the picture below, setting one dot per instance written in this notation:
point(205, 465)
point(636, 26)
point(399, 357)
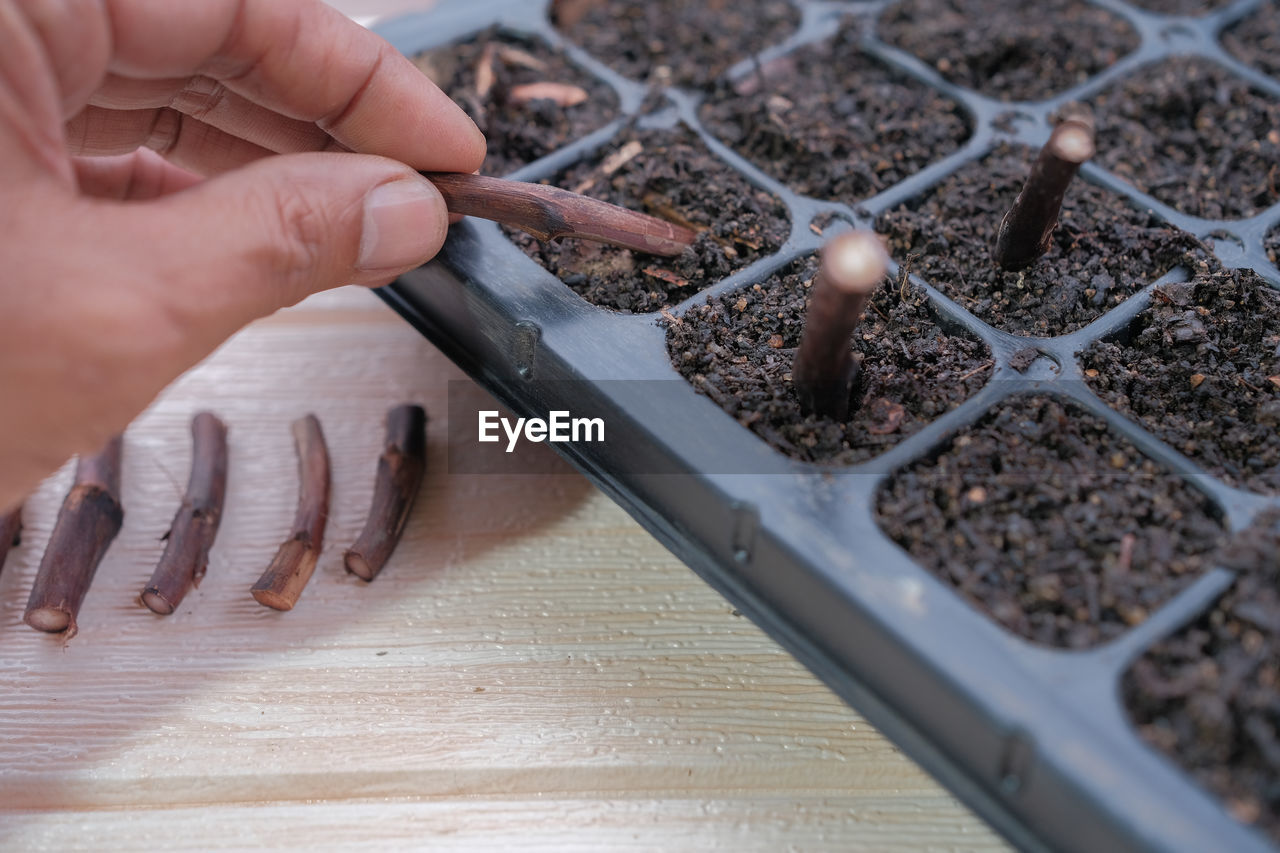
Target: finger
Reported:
point(180, 139)
point(30, 124)
point(207, 100)
point(140, 175)
point(77, 44)
point(246, 243)
point(303, 60)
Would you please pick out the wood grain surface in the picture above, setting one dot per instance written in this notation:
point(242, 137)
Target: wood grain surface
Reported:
point(530, 669)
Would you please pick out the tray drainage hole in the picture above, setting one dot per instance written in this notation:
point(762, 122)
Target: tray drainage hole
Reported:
point(1229, 248)
point(746, 521)
point(1013, 122)
point(1033, 363)
point(828, 223)
point(1015, 765)
point(1176, 33)
point(525, 346)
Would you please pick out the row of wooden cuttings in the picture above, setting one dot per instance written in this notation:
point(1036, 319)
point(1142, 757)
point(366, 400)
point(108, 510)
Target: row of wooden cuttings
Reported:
point(92, 514)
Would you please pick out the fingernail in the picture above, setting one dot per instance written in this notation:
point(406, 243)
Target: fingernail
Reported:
point(403, 224)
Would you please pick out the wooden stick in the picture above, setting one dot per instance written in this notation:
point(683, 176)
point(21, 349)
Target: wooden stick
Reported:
point(1028, 227)
point(295, 561)
point(195, 527)
point(10, 532)
point(550, 212)
point(400, 470)
point(89, 520)
point(824, 370)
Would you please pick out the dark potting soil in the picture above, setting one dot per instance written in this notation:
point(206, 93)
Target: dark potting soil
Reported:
point(1209, 696)
point(1180, 7)
point(1256, 39)
point(831, 122)
point(672, 175)
point(1200, 369)
point(1050, 523)
point(737, 349)
point(1194, 136)
point(1102, 252)
point(485, 75)
point(674, 42)
point(1010, 51)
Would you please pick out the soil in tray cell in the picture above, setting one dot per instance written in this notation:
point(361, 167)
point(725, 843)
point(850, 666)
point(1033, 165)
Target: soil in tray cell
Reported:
point(1194, 136)
point(1273, 246)
point(674, 42)
point(1209, 696)
point(1010, 51)
point(672, 175)
point(1050, 523)
point(1256, 39)
point(1103, 250)
point(832, 123)
point(1200, 369)
point(738, 348)
point(526, 98)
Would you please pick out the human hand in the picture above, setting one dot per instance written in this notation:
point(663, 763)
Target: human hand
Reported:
point(171, 171)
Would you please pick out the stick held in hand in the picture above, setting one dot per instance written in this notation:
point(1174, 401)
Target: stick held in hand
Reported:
point(550, 212)
point(400, 469)
point(195, 527)
point(87, 523)
point(295, 561)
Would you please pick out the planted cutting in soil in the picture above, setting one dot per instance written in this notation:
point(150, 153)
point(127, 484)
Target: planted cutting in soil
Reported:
point(738, 349)
point(1050, 523)
point(671, 42)
point(1102, 252)
point(1256, 39)
point(669, 174)
point(1040, 515)
point(1209, 696)
point(1014, 52)
point(526, 98)
point(1194, 136)
point(1200, 369)
point(831, 122)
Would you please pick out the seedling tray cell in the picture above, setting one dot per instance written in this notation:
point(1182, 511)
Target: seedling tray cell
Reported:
point(1035, 737)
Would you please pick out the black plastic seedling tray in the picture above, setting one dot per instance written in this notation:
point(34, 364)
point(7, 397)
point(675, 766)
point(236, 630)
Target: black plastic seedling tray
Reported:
point(1035, 739)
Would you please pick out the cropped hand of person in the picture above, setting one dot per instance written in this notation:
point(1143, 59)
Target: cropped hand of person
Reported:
point(171, 171)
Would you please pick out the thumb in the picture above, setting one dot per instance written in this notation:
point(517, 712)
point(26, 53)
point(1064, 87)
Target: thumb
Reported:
point(245, 243)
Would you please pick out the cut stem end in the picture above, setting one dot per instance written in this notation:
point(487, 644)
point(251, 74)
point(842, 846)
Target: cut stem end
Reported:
point(156, 603)
point(49, 618)
point(359, 566)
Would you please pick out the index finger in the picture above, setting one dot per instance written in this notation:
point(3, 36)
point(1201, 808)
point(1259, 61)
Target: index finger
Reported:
point(304, 60)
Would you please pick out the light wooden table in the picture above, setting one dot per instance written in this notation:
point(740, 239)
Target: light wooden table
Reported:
point(532, 670)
